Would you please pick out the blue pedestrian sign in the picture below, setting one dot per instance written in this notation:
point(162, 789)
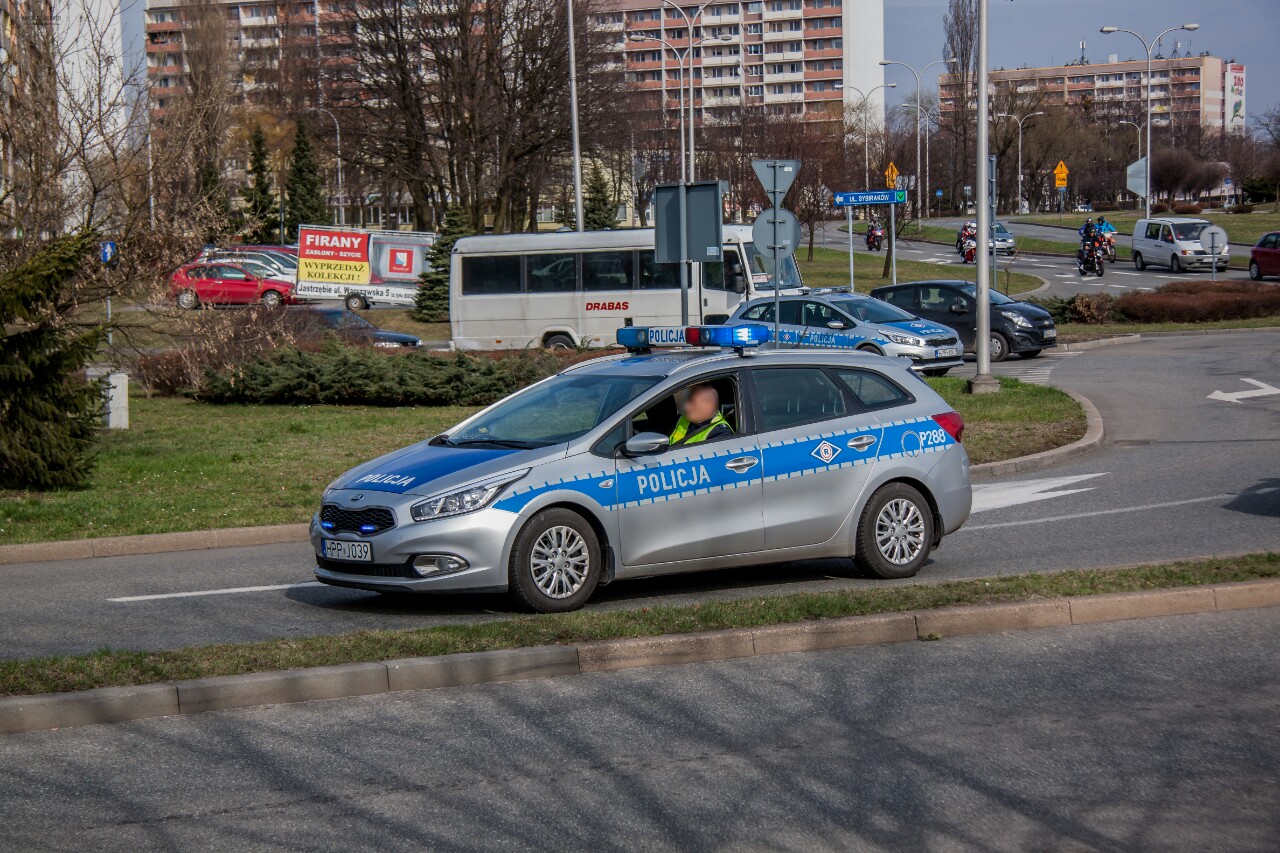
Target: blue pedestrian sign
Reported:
point(938, 193)
point(108, 252)
point(876, 197)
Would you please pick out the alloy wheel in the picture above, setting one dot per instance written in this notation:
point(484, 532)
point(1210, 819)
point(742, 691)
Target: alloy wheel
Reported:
point(900, 531)
point(559, 562)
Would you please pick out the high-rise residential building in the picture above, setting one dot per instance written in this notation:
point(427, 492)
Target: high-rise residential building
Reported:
point(25, 52)
point(803, 57)
point(1186, 91)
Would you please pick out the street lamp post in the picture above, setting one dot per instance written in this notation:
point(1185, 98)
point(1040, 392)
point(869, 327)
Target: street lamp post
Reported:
point(1019, 121)
point(914, 73)
point(1147, 47)
point(337, 137)
point(866, 133)
point(573, 121)
point(688, 23)
point(1138, 128)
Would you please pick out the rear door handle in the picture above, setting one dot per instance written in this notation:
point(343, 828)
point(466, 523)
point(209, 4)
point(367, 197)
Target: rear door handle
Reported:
point(742, 463)
point(862, 442)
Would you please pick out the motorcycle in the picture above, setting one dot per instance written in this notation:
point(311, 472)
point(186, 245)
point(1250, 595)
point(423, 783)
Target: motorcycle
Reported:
point(875, 238)
point(1091, 259)
point(1109, 245)
point(966, 233)
point(970, 250)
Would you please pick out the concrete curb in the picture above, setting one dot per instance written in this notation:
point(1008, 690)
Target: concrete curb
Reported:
point(152, 543)
point(1094, 434)
point(118, 704)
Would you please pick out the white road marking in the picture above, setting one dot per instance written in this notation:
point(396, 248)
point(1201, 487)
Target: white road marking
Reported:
point(1078, 515)
point(989, 496)
point(203, 592)
point(1122, 272)
point(1064, 275)
point(1264, 390)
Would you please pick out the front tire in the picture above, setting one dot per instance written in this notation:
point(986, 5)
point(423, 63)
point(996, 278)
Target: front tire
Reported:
point(556, 562)
point(356, 302)
point(1175, 265)
point(999, 347)
point(188, 301)
point(272, 299)
point(895, 533)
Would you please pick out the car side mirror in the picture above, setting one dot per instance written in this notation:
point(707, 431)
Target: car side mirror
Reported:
point(835, 325)
point(959, 308)
point(737, 281)
point(645, 444)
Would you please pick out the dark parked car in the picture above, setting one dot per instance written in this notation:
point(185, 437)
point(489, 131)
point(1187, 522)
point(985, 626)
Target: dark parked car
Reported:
point(1264, 258)
point(1016, 327)
point(352, 326)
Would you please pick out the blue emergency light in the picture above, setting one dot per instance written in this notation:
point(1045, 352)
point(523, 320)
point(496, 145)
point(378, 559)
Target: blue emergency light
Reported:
point(638, 338)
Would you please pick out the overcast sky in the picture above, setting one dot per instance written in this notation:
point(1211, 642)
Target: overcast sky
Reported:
point(1049, 32)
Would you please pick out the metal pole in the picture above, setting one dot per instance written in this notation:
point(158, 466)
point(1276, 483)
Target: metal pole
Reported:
point(573, 121)
point(919, 220)
point(849, 213)
point(684, 253)
point(1018, 209)
point(866, 149)
point(1148, 163)
point(983, 382)
point(689, 54)
point(928, 199)
point(893, 251)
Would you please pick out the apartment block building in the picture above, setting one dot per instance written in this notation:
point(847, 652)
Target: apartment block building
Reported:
point(1186, 91)
point(25, 45)
point(801, 57)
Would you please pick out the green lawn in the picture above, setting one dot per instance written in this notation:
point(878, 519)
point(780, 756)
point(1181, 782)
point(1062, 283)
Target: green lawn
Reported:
point(1068, 332)
point(192, 466)
point(399, 320)
point(830, 268)
point(1240, 227)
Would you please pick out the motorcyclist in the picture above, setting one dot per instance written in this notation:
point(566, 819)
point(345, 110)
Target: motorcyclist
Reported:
point(969, 231)
point(1104, 226)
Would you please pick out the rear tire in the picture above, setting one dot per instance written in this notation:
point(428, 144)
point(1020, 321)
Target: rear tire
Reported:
point(558, 342)
point(556, 562)
point(895, 533)
point(1255, 272)
point(356, 302)
point(1138, 263)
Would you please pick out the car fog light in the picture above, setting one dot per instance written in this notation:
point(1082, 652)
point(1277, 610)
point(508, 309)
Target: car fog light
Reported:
point(429, 565)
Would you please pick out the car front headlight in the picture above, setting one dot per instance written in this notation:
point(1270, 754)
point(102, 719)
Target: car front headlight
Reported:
point(1017, 319)
point(464, 500)
point(905, 340)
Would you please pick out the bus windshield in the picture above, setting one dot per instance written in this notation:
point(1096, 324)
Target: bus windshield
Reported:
point(552, 412)
point(788, 272)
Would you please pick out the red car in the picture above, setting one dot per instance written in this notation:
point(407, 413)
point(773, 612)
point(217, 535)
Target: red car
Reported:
point(1264, 259)
point(199, 284)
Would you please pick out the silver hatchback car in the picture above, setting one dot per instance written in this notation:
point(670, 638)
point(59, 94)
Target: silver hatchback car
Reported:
point(572, 482)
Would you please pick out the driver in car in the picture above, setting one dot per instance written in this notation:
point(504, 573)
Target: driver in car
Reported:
point(701, 420)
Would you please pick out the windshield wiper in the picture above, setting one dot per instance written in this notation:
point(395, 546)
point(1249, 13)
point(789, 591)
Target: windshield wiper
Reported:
point(495, 442)
point(441, 440)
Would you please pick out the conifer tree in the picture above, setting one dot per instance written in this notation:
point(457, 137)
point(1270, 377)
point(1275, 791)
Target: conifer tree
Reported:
point(431, 304)
point(304, 186)
point(260, 199)
point(598, 210)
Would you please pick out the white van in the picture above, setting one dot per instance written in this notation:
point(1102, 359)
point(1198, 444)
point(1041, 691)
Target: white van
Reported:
point(568, 289)
point(1174, 242)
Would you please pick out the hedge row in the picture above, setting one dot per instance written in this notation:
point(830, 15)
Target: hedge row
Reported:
point(1177, 302)
point(361, 376)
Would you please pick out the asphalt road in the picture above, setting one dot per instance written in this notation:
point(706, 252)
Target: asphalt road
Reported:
point(1156, 734)
point(1181, 476)
point(1059, 273)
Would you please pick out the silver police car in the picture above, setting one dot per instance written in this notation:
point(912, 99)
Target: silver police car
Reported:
point(840, 319)
point(572, 483)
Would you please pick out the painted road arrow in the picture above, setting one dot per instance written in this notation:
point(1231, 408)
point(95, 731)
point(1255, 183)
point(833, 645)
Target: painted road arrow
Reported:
point(1264, 390)
point(989, 496)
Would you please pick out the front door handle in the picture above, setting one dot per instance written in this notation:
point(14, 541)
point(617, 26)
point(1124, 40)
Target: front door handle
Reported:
point(742, 463)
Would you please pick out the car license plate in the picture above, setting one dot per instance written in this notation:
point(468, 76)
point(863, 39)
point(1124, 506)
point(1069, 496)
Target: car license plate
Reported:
point(356, 552)
point(946, 352)
point(1049, 334)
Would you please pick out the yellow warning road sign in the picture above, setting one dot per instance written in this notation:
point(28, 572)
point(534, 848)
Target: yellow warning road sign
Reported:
point(891, 177)
point(1060, 173)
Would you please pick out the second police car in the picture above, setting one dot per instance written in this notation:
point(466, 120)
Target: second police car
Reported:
point(840, 319)
point(572, 482)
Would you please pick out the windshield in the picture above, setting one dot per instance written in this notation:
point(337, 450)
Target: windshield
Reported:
point(788, 272)
point(1188, 230)
point(997, 298)
point(872, 310)
point(558, 410)
point(1000, 230)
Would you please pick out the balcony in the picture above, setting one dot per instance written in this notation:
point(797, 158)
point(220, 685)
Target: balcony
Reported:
point(720, 60)
point(785, 97)
point(786, 77)
point(783, 36)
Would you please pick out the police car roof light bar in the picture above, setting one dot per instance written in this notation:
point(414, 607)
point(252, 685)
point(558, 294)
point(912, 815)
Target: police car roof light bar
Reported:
point(641, 339)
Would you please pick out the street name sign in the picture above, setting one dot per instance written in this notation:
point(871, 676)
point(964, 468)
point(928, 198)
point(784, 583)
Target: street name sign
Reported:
point(873, 197)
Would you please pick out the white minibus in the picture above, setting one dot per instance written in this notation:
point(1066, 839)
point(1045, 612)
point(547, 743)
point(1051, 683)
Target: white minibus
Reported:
point(569, 289)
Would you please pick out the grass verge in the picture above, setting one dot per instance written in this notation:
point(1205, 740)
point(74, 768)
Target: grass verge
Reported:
point(830, 268)
point(1069, 332)
point(119, 668)
point(401, 320)
point(192, 466)
point(1240, 227)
